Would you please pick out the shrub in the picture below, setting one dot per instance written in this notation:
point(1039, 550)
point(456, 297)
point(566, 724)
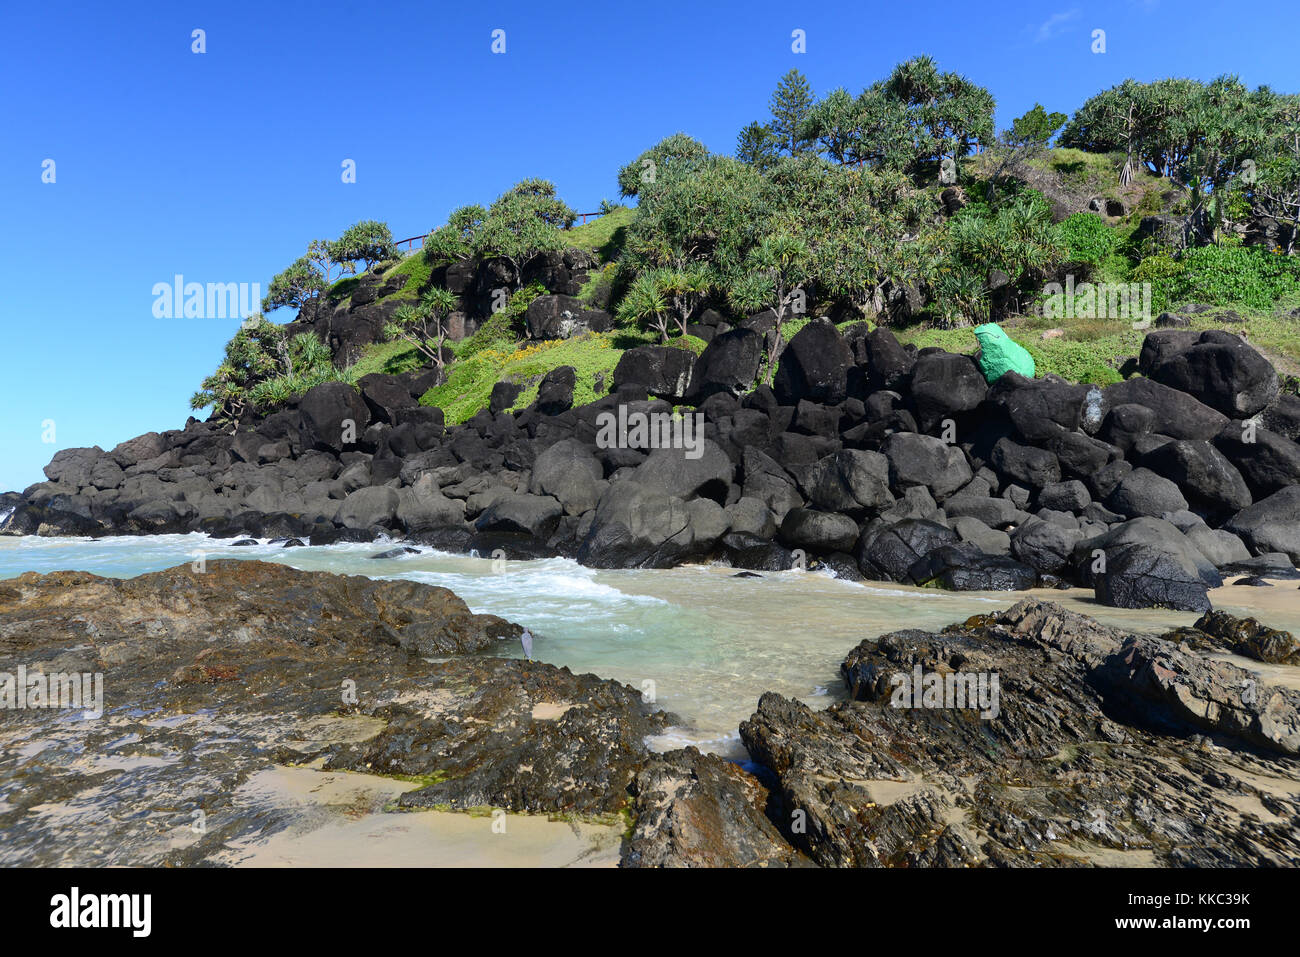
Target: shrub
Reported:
point(1085, 238)
point(1224, 275)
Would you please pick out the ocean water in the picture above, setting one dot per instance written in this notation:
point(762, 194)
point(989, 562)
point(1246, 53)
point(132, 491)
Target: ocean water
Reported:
point(704, 642)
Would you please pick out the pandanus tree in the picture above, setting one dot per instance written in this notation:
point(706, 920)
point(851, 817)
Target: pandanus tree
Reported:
point(424, 325)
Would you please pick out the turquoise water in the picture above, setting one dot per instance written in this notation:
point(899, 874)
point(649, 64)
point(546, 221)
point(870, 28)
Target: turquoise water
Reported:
point(708, 643)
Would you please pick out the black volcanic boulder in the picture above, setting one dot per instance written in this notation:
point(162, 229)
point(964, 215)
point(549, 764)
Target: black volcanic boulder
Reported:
point(1220, 370)
point(814, 365)
point(504, 395)
point(1143, 576)
point(944, 385)
point(569, 472)
point(965, 567)
point(1177, 414)
point(728, 364)
point(1025, 465)
point(142, 448)
point(1040, 408)
point(676, 472)
point(562, 317)
point(916, 459)
point(1091, 556)
point(769, 483)
point(663, 371)
point(1079, 454)
point(888, 554)
point(385, 395)
point(521, 514)
point(555, 393)
point(1267, 461)
point(1126, 423)
point(639, 526)
point(888, 363)
point(1282, 417)
point(850, 480)
point(1271, 524)
point(1143, 492)
point(1201, 472)
point(73, 466)
point(818, 531)
point(330, 414)
point(1044, 546)
point(366, 507)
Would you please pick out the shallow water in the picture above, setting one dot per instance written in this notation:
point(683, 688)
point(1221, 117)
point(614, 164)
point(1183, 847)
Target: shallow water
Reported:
point(705, 643)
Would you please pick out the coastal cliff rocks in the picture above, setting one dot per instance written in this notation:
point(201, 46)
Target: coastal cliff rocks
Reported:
point(858, 435)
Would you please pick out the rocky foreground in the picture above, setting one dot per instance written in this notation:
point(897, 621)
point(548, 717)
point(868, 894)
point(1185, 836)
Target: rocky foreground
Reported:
point(870, 458)
point(1091, 747)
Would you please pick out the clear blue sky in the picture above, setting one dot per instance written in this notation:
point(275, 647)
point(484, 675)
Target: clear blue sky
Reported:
point(222, 166)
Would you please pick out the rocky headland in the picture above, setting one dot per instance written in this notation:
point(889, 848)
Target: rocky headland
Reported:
point(866, 457)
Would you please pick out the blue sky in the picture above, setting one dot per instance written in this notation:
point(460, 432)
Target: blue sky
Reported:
point(222, 166)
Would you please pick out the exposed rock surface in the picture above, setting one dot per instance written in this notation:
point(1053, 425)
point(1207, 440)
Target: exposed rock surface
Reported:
point(1093, 756)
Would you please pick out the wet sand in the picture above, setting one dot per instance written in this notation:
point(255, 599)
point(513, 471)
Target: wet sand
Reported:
point(343, 823)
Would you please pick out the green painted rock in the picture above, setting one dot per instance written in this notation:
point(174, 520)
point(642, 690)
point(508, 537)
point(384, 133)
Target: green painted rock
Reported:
point(999, 353)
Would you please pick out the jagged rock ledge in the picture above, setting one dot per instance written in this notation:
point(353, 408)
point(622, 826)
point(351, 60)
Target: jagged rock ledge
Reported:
point(1101, 747)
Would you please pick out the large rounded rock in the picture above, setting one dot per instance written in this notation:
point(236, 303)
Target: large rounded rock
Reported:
point(1220, 370)
point(814, 366)
point(965, 567)
point(562, 317)
point(916, 459)
point(1044, 546)
point(677, 472)
point(639, 526)
point(423, 506)
point(1201, 472)
point(1271, 525)
point(729, 364)
point(555, 393)
point(888, 554)
point(365, 507)
point(850, 480)
point(1142, 576)
point(1177, 414)
point(944, 385)
point(1267, 461)
point(1025, 465)
point(569, 472)
point(663, 371)
point(333, 417)
point(818, 531)
point(385, 396)
point(521, 514)
point(1143, 492)
point(1040, 408)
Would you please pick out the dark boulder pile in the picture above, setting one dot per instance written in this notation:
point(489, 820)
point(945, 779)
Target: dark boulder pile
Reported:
point(870, 457)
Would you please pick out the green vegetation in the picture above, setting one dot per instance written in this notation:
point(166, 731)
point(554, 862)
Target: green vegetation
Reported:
point(899, 204)
point(263, 367)
point(469, 384)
